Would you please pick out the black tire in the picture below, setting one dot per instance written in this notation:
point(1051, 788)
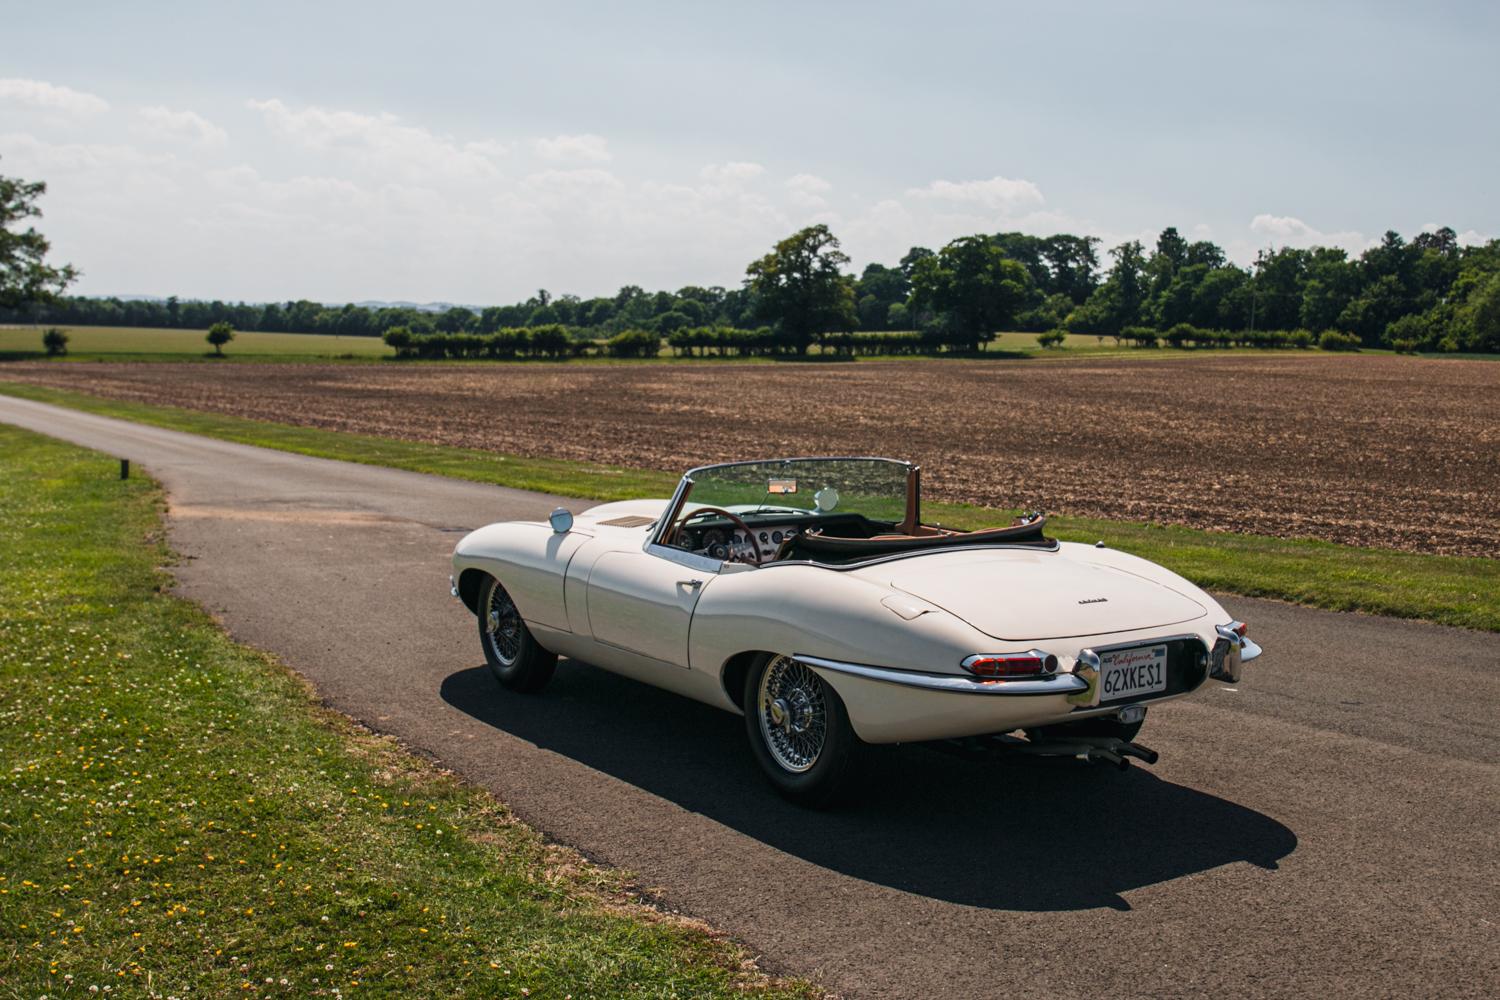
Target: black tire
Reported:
point(1098, 726)
point(515, 657)
point(832, 773)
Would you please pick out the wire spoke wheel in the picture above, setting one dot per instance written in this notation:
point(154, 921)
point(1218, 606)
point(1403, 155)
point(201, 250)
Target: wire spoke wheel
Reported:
point(793, 714)
point(503, 626)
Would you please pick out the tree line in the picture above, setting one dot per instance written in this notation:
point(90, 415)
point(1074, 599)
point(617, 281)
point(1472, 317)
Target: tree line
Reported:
point(1428, 293)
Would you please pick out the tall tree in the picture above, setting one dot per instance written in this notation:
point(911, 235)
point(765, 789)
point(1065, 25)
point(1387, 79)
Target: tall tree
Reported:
point(1172, 246)
point(799, 286)
point(878, 288)
point(26, 278)
point(1074, 263)
point(912, 258)
point(974, 287)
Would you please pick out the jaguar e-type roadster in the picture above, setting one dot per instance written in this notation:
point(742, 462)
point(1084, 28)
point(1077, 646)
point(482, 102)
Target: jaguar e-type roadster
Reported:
point(808, 595)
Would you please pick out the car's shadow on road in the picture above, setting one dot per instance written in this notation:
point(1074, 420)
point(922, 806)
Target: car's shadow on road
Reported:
point(1022, 838)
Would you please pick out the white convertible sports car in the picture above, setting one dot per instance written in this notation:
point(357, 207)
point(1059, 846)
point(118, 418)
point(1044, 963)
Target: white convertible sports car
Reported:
point(808, 595)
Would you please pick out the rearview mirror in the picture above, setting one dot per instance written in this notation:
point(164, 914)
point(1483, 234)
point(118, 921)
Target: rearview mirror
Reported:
point(561, 520)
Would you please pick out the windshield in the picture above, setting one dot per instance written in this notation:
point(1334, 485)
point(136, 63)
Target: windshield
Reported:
point(873, 487)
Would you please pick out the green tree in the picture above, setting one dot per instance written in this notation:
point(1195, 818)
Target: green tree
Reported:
point(1330, 283)
point(1117, 303)
point(55, 342)
point(912, 258)
point(456, 320)
point(1278, 288)
point(799, 287)
point(671, 320)
point(1172, 247)
point(218, 335)
point(974, 287)
point(400, 339)
point(1074, 263)
point(1478, 319)
point(878, 288)
point(1218, 300)
point(26, 279)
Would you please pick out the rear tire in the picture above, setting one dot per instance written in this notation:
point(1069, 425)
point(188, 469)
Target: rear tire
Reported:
point(515, 657)
point(799, 732)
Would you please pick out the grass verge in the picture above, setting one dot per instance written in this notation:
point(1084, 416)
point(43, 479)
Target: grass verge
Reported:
point(1446, 589)
point(179, 817)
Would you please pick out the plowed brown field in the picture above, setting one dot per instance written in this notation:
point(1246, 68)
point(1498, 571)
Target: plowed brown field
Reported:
point(1391, 452)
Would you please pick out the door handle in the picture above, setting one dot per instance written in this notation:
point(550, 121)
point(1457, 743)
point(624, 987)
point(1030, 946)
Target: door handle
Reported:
point(690, 584)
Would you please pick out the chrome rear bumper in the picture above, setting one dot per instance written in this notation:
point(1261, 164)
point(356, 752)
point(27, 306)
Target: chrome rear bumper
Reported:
point(1231, 652)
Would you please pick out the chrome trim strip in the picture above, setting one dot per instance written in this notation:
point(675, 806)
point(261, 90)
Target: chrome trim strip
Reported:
point(683, 557)
point(1059, 684)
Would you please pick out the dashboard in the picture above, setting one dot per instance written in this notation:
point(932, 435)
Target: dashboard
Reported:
point(721, 539)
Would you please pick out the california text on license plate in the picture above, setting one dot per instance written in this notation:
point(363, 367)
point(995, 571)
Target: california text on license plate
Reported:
point(1129, 673)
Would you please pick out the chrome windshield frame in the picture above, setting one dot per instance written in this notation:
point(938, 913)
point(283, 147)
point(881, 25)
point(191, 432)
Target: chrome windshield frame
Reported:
point(685, 486)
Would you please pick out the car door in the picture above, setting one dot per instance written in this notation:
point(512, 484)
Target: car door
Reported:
point(642, 600)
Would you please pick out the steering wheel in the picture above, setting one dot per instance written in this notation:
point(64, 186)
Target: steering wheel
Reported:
point(749, 537)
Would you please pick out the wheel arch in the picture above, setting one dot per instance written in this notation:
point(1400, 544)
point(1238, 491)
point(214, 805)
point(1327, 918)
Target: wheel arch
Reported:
point(470, 583)
point(736, 668)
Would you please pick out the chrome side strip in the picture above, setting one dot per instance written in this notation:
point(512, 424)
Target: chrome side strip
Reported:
point(1060, 684)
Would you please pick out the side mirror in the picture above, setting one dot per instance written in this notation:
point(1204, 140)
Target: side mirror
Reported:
point(561, 520)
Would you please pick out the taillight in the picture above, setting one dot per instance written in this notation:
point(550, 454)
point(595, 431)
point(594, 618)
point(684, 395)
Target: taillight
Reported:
point(1239, 628)
point(1002, 666)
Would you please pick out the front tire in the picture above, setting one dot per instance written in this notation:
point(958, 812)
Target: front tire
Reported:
point(799, 732)
point(515, 657)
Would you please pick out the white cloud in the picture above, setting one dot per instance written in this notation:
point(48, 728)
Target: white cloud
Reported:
point(39, 95)
point(1287, 230)
point(587, 148)
point(381, 142)
point(807, 190)
point(809, 183)
point(185, 125)
point(997, 193)
point(731, 173)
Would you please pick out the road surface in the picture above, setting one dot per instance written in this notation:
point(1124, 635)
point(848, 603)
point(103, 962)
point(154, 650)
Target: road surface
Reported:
point(1328, 827)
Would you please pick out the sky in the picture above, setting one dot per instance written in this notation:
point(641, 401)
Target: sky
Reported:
point(476, 152)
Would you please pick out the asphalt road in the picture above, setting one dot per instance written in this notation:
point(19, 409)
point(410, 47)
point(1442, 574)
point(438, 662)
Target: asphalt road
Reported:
point(1328, 827)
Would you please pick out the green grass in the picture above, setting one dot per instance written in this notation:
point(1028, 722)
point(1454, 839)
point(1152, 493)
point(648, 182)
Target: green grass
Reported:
point(178, 816)
point(1447, 589)
point(107, 343)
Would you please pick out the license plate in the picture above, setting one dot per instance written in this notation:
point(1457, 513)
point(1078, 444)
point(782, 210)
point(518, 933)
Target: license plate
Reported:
point(1130, 673)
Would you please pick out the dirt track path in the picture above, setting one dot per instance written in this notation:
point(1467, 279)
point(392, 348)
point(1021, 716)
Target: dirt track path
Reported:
point(1331, 827)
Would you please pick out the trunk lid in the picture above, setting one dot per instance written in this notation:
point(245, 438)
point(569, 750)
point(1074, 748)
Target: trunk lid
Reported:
point(1022, 596)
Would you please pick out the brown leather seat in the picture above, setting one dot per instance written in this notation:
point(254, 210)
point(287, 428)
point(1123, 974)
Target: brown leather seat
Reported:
point(828, 548)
